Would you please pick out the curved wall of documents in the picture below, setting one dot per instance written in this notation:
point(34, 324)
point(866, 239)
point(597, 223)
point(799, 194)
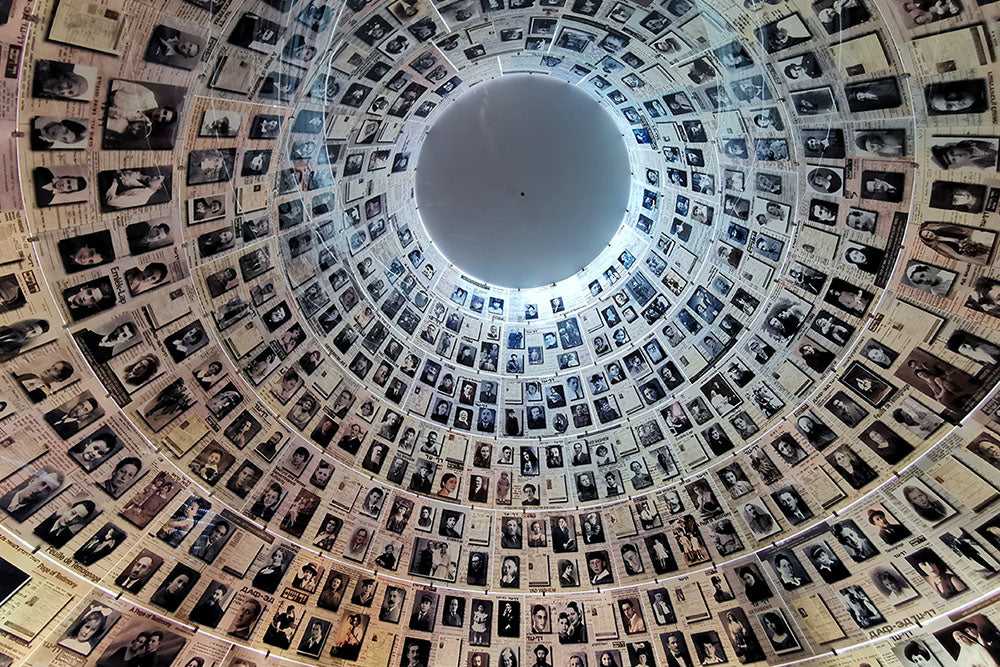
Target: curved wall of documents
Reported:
point(249, 413)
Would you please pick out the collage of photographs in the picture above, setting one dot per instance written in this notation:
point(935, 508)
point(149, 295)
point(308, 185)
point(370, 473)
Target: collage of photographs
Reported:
point(251, 414)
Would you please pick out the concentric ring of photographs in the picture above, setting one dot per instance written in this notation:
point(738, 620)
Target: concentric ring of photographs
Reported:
point(797, 312)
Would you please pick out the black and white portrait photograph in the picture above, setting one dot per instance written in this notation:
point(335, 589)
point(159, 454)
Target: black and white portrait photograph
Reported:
point(64, 523)
point(55, 80)
point(778, 632)
point(100, 545)
point(74, 415)
point(90, 628)
point(957, 97)
point(867, 384)
point(212, 604)
point(265, 126)
point(81, 253)
point(860, 607)
point(133, 188)
point(59, 133)
point(873, 95)
point(214, 165)
point(174, 48)
point(175, 587)
point(141, 640)
point(220, 123)
point(140, 115)
point(60, 185)
point(255, 33)
point(783, 33)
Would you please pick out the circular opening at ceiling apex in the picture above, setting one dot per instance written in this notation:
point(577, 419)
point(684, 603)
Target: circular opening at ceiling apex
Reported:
point(523, 181)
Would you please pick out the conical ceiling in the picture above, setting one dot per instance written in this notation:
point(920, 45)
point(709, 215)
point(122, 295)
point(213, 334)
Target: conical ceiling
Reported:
point(257, 410)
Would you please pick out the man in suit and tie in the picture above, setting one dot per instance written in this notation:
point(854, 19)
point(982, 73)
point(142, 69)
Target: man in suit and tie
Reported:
point(392, 605)
point(211, 542)
point(677, 654)
point(425, 559)
point(631, 618)
point(312, 642)
point(511, 538)
point(478, 492)
point(38, 385)
point(453, 616)
point(33, 493)
point(102, 346)
point(69, 422)
point(365, 593)
point(59, 527)
point(134, 578)
point(209, 612)
point(421, 480)
point(581, 456)
point(51, 190)
point(792, 506)
point(422, 617)
point(351, 442)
